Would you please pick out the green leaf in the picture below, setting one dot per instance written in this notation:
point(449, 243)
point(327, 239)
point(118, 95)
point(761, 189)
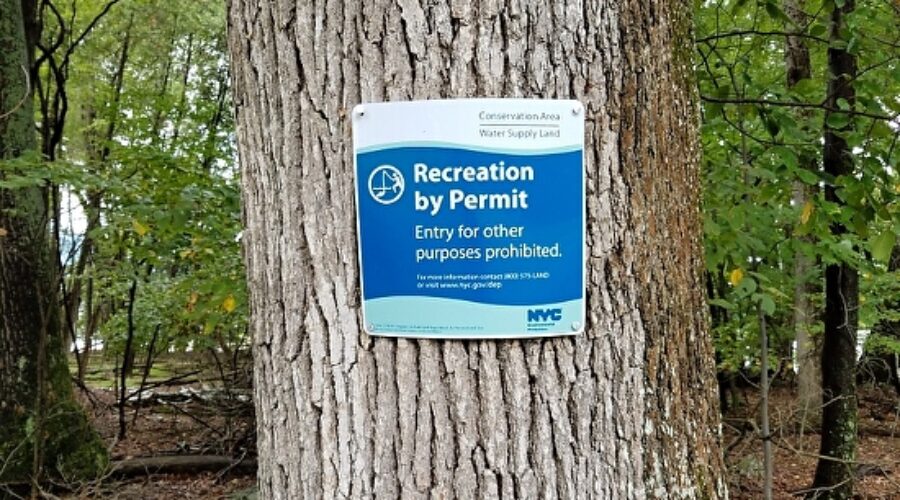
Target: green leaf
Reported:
point(747, 286)
point(724, 304)
point(737, 6)
point(712, 108)
point(860, 224)
point(806, 88)
point(817, 30)
point(723, 91)
point(763, 173)
point(808, 177)
point(882, 246)
point(787, 155)
point(776, 13)
point(837, 120)
point(767, 304)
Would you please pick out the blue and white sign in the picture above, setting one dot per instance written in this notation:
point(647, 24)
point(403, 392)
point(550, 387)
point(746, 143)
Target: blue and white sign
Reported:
point(471, 217)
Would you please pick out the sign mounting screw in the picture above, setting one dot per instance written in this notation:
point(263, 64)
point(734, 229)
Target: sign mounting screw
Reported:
point(360, 111)
point(576, 326)
point(576, 110)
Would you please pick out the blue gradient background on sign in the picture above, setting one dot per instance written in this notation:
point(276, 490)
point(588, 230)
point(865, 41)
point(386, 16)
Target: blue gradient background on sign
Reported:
point(554, 215)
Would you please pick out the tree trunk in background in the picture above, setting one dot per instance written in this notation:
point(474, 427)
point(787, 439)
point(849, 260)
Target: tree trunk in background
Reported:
point(626, 410)
point(97, 147)
point(888, 362)
point(84, 272)
point(98, 150)
point(834, 474)
point(42, 429)
point(809, 383)
point(809, 373)
point(182, 103)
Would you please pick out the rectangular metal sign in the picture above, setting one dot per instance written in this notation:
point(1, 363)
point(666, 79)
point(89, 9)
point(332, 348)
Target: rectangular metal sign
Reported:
point(471, 217)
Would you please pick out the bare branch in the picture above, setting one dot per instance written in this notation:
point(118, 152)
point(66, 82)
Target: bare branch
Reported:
point(729, 34)
point(90, 27)
point(796, 104)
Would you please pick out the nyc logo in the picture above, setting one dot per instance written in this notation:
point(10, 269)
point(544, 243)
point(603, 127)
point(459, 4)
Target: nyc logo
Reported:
point(544, 315)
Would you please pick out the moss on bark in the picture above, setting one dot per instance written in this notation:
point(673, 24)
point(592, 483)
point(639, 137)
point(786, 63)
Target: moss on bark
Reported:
point(71, 449)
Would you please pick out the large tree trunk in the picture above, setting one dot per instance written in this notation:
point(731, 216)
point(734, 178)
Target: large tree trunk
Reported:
point(41, 427)
point(626, 410)
point(834, 471)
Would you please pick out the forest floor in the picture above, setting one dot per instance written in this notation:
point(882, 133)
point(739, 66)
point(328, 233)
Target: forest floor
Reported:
point(796, 449)
point(187, 417)
point(191, 417)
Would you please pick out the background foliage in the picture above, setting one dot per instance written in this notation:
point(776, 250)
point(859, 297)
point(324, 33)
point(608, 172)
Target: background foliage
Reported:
point(763, 140)
point(147, 184)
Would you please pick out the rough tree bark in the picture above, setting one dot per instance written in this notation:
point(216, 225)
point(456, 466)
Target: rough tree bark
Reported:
point(834, 473)
point(42, 429)
point(627, 410)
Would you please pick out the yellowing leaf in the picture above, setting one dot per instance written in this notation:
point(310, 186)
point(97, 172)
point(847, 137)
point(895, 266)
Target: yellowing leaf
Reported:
point(229, 304)
point(736, 276)
point(139, 228)
point(187, 252)
point(3, 232)
point(806, 213)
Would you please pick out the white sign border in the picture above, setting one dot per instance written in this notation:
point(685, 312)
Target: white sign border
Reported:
point(360, 111)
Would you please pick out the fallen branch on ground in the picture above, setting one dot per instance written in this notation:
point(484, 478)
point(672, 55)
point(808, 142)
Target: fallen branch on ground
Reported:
point(180, 464)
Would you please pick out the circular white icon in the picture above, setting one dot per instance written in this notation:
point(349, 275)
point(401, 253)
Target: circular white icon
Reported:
point(386, 184)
